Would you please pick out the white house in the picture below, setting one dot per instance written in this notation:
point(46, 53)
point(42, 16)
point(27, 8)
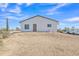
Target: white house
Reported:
point(39, 24)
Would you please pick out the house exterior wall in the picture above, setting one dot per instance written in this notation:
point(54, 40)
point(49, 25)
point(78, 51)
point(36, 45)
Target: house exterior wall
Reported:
point(41, 24)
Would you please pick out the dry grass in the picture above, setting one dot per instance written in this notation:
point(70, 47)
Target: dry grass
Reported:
point(4, 34)
point(40, 43)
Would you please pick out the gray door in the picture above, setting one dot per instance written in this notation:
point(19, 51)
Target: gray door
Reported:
point(34, 27)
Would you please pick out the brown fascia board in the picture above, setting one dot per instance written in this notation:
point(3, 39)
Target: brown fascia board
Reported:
point(39, 16)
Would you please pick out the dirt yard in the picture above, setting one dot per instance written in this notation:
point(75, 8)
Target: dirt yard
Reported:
point(40, 44)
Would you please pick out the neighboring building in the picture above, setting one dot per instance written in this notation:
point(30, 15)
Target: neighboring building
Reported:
point(72, 30)
point(39, 24)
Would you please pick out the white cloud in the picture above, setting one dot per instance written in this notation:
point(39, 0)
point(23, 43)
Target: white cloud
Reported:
point(54, 9)
point(5, 14)
point(11, 17)
point(74, 19)
point(3, 6)
point(52, 13)
point(3, 9)
point(57, 7)
point(16, 10)
point(29, 4)
point(16, 18)
point(19, 3)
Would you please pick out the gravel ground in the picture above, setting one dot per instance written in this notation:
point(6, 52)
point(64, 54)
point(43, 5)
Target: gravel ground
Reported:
point(40, 44)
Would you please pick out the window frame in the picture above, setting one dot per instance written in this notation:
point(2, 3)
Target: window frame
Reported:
point(49, 25)
point(26, 26)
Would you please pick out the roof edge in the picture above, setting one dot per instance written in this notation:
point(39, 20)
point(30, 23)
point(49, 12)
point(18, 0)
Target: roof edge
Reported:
point(39, 16)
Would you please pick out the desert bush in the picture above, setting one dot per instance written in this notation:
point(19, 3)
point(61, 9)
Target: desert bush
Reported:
point(4, 33)
point(61, 31)
point(1, 43)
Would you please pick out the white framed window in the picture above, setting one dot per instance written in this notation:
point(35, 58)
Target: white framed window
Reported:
point(49, 25)
point(26, 26)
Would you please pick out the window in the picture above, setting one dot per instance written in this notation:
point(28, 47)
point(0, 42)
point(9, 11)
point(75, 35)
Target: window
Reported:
point(26, 26)
point(49, 25)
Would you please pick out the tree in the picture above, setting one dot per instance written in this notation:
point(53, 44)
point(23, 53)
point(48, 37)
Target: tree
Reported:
point(66, 29)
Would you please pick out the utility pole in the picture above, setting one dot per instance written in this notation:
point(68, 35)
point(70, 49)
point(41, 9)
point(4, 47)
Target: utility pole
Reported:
point(7, 24)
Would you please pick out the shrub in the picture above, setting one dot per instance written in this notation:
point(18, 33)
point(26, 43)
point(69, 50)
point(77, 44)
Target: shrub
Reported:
point(61, 31)
point(4, 33)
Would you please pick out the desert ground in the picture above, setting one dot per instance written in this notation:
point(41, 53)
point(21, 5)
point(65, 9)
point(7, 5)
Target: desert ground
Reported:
point(40, 44)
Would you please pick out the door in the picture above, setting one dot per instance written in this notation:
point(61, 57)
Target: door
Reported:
point(34, 27)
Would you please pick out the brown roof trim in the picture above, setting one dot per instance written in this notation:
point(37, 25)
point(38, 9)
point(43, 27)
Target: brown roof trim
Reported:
point(39, 16)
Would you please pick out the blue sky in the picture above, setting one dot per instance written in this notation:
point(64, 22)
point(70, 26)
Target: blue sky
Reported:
point(66, 13)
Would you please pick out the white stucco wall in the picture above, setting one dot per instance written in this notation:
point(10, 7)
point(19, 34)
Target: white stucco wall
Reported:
point(41, 24)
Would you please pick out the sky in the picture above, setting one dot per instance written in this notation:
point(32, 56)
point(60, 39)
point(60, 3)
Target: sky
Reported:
point(66, 13)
